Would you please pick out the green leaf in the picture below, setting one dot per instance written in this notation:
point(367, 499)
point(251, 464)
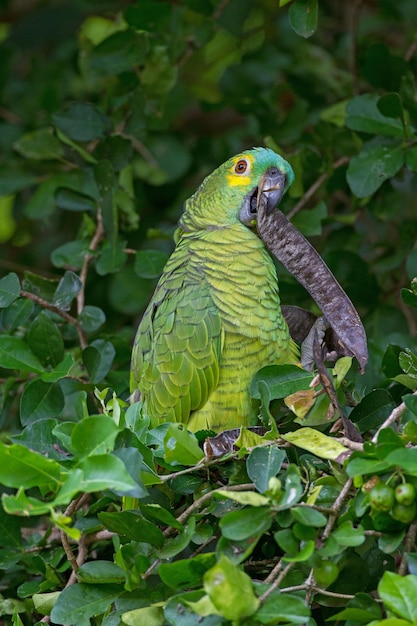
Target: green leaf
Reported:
point(282, 381)
point(243, 497)
point(158, 77)
point(363, 114)
point(181, 446)
point(45, 340)
point(77, 603)
point(70, 200)
point(411, 158)
point(41, 400)
point(10, 531)
point(186, 573)
point(399, 593)
point(362, 608)
point(405, 458)
point(135, 465)
point(94, 435)
point(150, 263)
point(112, 258)
point(309, 516)
point(120, 52)
point(60, 371)
point(262, 463)
point(149, 16)
point(15, 354)
point(40, 145)
point(13, 179)
point(407, 360)
point(98, 358)
point(147, 616)
point(17, 314)
point(357, 466)
point(72, 254)
point(100, 572)
point(347, 535)
point(239, 525)
point(316, 442)
point(171, 157)
point(176, 545)
point(82, 122)
point(9, 289)
point(335, 113)
point(44, 602)
point(304, 553)
point(38, 436)
point(303, 15)
point(230, 590)
point(91, 318)
point(156, 511)
point(287, 541)
point(24, 505)
point(23, 468)
point(373, 166)
point(372, 410)
point(68, 287)
point(309, 222)
point(105, 471)
point(293, 489)
point(279, 607)
point(390, 105)
point(133, 525)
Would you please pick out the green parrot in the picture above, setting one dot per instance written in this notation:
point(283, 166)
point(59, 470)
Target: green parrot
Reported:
point(215, 317)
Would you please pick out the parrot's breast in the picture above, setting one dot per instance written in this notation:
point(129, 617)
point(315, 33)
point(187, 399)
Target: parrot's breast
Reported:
point(244, 287)
point(213, 321)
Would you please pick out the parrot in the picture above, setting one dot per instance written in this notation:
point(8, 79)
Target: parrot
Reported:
point(215, 317)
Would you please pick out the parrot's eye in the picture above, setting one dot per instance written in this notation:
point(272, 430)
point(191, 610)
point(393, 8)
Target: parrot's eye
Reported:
point(241, 166)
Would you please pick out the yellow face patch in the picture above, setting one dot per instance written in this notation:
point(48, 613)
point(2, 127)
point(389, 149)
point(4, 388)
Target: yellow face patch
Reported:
point(240, 173)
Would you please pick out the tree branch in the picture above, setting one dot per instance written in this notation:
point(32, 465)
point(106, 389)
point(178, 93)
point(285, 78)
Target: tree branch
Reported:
point(316, 185)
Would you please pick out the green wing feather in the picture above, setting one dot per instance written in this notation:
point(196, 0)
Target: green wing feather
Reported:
point(176, 357)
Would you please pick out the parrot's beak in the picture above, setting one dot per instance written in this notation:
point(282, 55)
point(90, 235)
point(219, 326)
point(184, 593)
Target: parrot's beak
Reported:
point(271, 189)
point(266, 195)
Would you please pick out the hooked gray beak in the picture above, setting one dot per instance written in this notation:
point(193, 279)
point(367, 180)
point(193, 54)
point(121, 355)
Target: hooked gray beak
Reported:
point(266, 196)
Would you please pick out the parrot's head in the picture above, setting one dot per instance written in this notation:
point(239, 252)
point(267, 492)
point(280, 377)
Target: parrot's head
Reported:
point(234, 191)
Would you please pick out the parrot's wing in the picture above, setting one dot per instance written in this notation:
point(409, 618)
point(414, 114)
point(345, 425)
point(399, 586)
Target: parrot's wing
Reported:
point(176, 357)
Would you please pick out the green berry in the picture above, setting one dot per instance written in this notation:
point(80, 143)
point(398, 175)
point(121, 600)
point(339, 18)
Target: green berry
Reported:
point(325, 573)
point(382, 497)
point(405, 493)
point(403, 513)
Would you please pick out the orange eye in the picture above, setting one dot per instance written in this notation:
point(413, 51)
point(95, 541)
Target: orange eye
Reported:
point(241, 166)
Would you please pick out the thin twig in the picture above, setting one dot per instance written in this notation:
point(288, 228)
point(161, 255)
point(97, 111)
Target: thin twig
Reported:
point(316, 185)
point(277, 582)
point(392, 417)
point(51, 307)
point(274, 572)
point(97, 237)
point(336, 508)
point(73, 506)
point(348, 443)
point(333, 594)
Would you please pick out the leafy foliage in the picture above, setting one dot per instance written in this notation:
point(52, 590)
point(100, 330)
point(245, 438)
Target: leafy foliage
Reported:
point(112, 114)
